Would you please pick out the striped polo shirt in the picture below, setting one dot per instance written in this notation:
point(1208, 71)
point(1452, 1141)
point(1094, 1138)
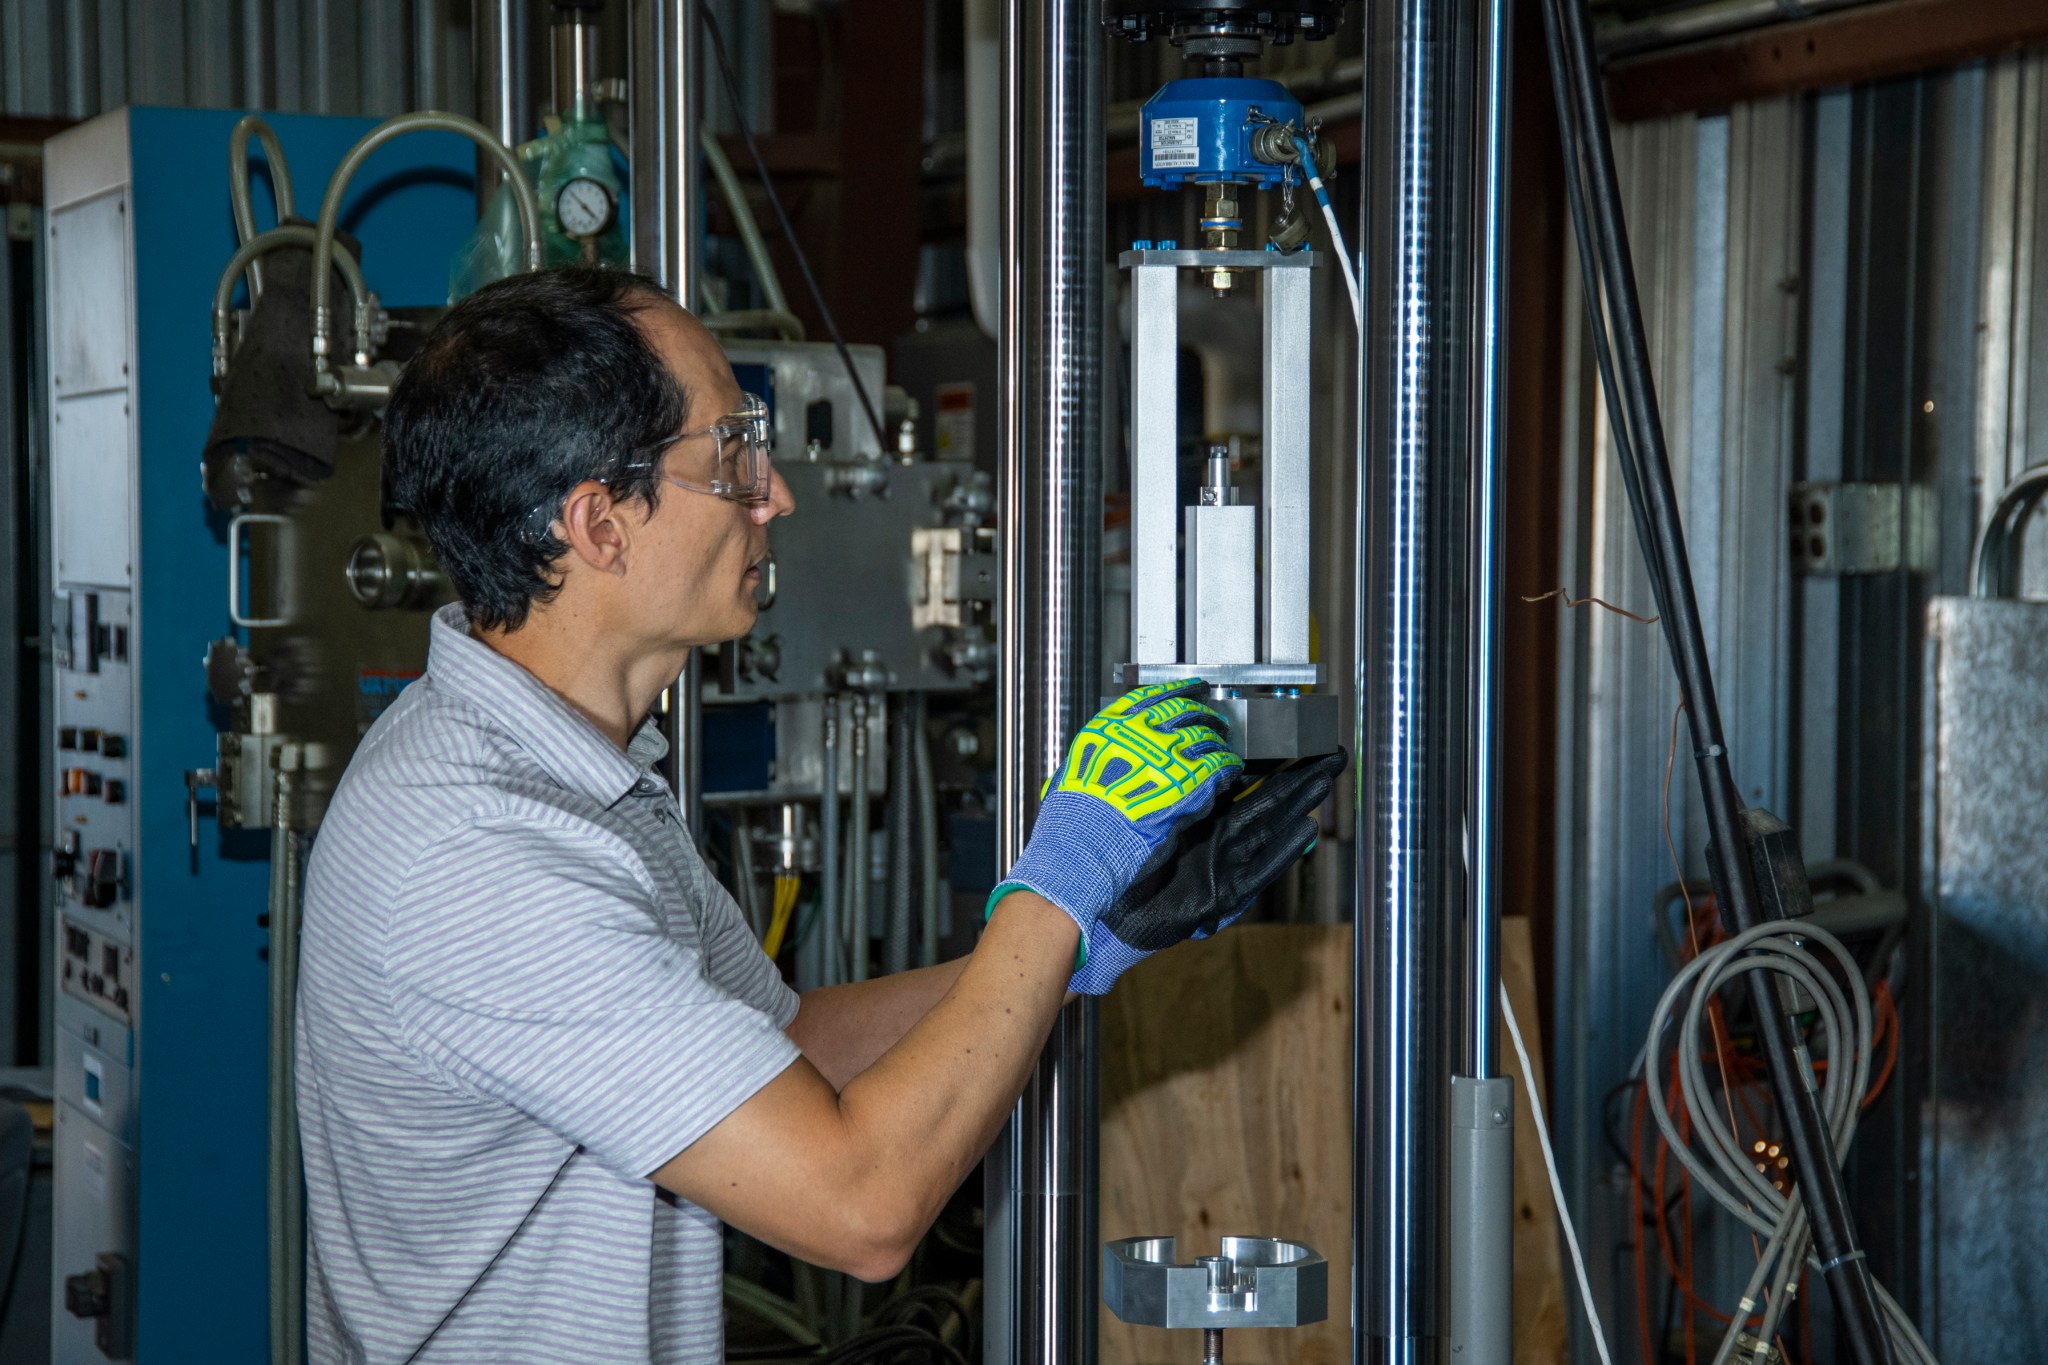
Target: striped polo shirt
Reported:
point(521, 993)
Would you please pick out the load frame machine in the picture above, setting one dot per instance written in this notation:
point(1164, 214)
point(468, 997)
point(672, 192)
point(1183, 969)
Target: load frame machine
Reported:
point(1430, 1256)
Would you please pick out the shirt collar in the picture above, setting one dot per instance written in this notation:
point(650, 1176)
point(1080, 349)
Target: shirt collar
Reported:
point(558, 736)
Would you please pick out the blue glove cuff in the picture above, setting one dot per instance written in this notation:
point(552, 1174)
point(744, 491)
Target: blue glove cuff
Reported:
point(1083, 855)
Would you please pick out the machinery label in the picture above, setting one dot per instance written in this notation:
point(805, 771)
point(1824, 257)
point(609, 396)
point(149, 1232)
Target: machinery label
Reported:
point(953, 422)
point(1174, 143)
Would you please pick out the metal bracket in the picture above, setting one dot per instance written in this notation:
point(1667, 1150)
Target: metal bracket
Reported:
point(1859, 528)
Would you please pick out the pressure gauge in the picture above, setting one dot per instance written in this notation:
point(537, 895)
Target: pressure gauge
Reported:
point(584, 207)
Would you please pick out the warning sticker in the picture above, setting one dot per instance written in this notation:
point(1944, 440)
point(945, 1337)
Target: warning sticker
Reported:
point(953, 425)
point(1175, 144)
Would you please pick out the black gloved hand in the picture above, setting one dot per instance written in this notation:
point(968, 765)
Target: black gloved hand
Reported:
point(1227, 858)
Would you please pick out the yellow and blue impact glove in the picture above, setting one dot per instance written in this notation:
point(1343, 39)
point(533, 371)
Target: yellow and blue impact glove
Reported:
point(1151, 762)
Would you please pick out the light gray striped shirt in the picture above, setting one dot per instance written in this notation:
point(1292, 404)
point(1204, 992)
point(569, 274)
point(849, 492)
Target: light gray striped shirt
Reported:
point(521, 993)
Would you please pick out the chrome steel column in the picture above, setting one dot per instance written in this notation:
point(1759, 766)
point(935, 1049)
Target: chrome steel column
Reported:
point(1482, 1154)
point(1416, 407)
point(499, 33)
point(1042, 1267)
point(668, 194)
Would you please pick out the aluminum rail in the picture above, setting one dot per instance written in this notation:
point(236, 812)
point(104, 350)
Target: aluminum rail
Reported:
point(1043, 1261)
point(1416, 402)
point(668, 187)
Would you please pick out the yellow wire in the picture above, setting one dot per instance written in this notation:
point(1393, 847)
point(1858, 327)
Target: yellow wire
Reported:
point(778, 923)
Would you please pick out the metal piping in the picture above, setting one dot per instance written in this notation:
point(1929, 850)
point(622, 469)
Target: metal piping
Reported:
point(1416, 410)
point(1042, 1266)
point(504, 104)
point(668, 193)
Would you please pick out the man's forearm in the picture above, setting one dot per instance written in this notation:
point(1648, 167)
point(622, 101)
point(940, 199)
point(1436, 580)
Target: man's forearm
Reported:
point(844, 1029)
point(930, 1106)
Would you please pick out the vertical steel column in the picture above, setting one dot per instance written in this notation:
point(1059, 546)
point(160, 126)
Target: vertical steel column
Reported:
point(1041, 1269)
point(1482, 1103)
point(1415, 707)
point(499, 31)
point(668, 191)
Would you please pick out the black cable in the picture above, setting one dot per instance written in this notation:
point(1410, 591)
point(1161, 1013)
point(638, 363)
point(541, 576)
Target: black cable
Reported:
point(803, 262)
point(879, 1342)
point(1820, 1178)
point(1596, 325)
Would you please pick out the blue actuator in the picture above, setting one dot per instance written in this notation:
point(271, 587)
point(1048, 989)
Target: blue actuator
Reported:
point(1199, 130)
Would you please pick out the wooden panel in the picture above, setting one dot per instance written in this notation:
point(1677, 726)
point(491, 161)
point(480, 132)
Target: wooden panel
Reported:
point(1226, 1094)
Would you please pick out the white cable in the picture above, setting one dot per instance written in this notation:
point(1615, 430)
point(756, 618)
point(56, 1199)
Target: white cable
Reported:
point(1564, 1214)
point(1344, 262)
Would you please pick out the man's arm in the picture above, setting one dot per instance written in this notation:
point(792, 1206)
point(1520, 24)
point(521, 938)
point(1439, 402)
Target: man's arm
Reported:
point(844, 1029)
point(851, 1180)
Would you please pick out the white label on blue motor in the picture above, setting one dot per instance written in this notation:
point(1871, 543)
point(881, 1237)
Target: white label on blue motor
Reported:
point(1174, 143)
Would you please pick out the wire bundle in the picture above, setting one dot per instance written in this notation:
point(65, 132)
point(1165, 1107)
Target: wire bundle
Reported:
point(1657, 1207)
point(1706, 1143)
point(784, 909)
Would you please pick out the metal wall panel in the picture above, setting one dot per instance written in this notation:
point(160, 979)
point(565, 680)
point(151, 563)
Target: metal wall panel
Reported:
point(1715, 206)
point(79, 58)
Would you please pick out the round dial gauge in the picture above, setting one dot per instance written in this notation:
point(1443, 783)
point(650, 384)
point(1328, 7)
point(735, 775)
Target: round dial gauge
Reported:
point(584, 207)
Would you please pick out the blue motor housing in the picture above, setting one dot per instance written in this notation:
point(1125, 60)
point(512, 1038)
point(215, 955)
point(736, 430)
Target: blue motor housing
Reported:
point(1199, 130)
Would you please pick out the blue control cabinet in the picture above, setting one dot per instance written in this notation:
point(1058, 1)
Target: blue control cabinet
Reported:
point(161, 990)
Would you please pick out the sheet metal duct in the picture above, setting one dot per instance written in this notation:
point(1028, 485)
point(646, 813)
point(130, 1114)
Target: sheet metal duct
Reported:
point(1417, 409)
point(1042, 1245)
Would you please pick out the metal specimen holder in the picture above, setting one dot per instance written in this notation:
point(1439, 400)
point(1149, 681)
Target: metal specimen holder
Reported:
point(1246, 601)
point(1255, 1282)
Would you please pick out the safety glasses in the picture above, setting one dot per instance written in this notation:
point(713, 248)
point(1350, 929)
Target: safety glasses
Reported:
point(742, 471)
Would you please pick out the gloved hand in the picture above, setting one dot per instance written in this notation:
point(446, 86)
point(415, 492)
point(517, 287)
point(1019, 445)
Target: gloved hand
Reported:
point(1226, 859)
point(1148, 764)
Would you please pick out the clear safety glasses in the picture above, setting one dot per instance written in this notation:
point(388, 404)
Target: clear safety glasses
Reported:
point(742, 471)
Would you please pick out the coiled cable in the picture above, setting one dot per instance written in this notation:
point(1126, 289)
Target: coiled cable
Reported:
point(1797, 953)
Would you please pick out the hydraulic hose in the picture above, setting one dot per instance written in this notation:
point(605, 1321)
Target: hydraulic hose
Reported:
point(749, 229)
point(927, 838)
point(238, 187)
point(1589, 151)
point(827, 930)
point(292, 234)
point(856, 893)
point(286, 1209)
point(903, 869)
point(427, 120)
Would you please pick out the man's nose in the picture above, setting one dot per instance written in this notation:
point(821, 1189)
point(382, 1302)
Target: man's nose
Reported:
point(781, 502)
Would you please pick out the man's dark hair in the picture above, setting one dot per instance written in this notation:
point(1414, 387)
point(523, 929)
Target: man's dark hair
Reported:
point(525, 389)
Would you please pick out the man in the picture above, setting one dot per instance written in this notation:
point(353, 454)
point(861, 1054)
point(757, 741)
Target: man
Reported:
point(540, 1056)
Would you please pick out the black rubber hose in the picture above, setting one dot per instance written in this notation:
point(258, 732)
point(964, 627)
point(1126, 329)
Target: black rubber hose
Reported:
point(1596, 323)
point(1820, 1179)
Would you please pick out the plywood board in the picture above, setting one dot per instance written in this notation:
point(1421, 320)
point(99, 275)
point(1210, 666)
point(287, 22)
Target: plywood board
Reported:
point(1226, 1109)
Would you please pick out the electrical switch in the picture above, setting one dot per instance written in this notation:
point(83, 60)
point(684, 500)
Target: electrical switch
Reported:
point(102, 878)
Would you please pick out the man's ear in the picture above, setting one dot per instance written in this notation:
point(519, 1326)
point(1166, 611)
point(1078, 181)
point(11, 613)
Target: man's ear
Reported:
point(593, 526)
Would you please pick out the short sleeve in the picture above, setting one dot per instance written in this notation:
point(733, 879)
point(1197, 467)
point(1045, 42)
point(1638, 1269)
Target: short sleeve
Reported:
point(732, 955)
point(530, 964)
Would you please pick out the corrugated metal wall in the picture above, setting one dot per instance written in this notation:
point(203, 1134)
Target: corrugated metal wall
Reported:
point(78, 58)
